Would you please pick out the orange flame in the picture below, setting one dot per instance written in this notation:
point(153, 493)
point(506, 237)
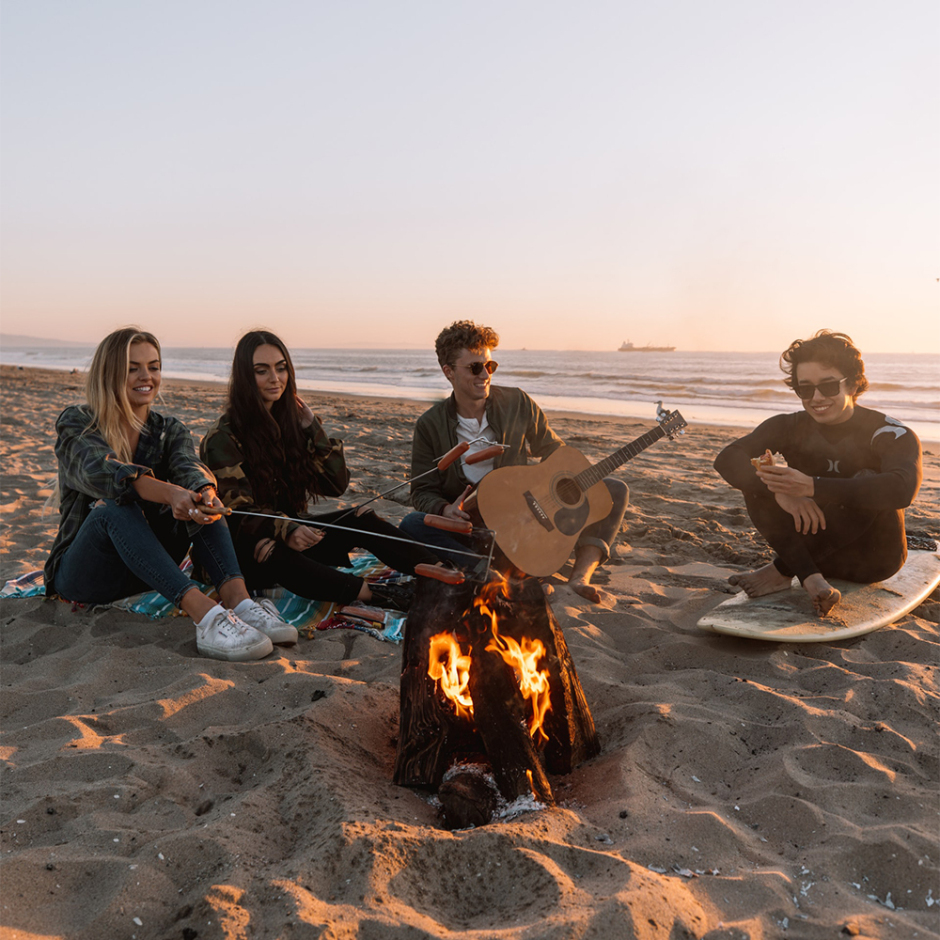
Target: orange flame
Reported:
point(450, 668)
point(524, 658)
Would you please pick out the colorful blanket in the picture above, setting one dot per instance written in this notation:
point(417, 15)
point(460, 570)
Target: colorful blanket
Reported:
point(306, 615)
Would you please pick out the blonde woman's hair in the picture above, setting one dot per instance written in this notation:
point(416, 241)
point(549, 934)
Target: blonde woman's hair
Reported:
point(106, 388)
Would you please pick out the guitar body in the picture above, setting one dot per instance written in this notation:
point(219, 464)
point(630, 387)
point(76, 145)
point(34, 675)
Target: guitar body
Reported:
point(538, 512)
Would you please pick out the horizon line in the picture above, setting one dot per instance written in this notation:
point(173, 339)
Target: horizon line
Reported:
point(19, 340)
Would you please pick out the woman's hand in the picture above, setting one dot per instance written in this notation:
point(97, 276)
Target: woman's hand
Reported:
point(205, 501)
point(454, 510)
point(304, 537)
point(807, 516)
point(787, 481)
point(185, 504)
point(306, 414)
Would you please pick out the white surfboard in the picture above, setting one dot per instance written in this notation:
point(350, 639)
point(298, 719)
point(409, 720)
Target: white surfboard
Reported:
point(788, 616)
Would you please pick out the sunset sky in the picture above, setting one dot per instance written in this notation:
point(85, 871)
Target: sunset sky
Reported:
point(727, 174)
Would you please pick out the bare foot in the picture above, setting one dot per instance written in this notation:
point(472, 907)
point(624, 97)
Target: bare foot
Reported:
point(593, 593)
point(824, 595)
point(766, 580)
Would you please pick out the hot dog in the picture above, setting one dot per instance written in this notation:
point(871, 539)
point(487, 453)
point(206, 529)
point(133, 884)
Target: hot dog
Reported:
point(492, 451)
point(463, 526)
point(455, 453)
point(767, 459)
point(447, 575)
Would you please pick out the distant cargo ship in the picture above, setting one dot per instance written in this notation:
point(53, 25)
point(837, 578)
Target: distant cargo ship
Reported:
point(629, 347)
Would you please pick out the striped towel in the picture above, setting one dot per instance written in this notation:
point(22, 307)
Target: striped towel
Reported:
point(306, 615)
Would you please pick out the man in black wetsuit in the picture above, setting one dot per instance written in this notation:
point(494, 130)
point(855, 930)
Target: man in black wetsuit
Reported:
point(837, 509)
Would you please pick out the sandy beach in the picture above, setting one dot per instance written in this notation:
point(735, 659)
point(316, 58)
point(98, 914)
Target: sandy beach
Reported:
point(744, 790)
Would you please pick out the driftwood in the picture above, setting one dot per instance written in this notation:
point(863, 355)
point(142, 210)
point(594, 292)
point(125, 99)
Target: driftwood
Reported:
point(432, 737)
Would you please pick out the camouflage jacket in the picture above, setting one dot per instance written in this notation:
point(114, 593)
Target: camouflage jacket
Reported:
point(223, 453)
point(89, 470)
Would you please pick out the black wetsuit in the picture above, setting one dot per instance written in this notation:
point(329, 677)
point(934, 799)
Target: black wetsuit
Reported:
point(866, 471)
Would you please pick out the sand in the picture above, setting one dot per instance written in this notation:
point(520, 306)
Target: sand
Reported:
point(744, 790)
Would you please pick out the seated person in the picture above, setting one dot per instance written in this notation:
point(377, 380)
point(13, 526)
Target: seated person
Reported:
point(134, 498)
point(836, 509)
point(271, 456)
point(480, 412)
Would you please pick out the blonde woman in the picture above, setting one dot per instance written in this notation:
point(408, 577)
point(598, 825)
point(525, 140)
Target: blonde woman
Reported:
point(134, 498)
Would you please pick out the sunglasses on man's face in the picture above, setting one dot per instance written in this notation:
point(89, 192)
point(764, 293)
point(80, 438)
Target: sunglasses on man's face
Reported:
point(477, 367)
point(828, 389)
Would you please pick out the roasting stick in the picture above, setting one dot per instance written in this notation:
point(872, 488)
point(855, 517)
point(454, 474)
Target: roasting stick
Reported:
point(455, 453)
point(448, 575)
point(461, 526)
point(317, 524)
point(452, 456)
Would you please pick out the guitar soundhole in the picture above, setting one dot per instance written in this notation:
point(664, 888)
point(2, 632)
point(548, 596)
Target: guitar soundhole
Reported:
point(568, 491)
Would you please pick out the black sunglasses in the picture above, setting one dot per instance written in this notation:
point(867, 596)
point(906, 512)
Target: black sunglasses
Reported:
point(477, 367)
point(828, 389)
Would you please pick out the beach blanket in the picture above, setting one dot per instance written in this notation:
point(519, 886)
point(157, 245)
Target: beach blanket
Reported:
point(306, 615)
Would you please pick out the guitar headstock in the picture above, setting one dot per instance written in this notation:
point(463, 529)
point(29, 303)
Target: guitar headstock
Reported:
point(671, 422)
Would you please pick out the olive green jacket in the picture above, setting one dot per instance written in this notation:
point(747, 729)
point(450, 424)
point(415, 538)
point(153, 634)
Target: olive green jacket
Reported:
point(517, 422)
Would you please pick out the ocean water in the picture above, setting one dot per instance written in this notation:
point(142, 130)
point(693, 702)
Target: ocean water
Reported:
point(736, 389)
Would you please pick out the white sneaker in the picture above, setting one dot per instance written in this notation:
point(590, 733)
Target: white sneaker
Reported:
point(222, 635)
point(261, 614)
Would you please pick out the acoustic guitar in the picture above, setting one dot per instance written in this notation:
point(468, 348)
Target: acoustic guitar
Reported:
point(538, 511)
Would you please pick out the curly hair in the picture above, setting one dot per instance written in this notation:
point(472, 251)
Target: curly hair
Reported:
point(460, 335)
point(274, 443)
point(831, 349)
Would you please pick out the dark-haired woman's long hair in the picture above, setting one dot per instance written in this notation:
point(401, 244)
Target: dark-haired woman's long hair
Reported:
point(274, 443)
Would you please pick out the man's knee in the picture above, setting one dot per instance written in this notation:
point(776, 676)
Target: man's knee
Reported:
point(413, 526)
point(619, 493)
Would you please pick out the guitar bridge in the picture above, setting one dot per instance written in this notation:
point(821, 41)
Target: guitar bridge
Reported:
point(540, 515)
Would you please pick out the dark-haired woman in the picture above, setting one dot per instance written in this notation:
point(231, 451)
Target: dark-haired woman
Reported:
point(836, 510)
point(271, 456)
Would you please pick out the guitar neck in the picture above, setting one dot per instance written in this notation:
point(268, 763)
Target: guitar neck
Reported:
point(587, 478)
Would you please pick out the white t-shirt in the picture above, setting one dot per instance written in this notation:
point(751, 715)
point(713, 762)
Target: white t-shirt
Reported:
point(469, 429)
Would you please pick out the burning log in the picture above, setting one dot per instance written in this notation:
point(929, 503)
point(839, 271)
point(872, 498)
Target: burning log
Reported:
point(488, 673)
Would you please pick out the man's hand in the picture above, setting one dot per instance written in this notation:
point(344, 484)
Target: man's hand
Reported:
point(807, 516)
point(454, 510)
point(304, 537)
point(787, 481)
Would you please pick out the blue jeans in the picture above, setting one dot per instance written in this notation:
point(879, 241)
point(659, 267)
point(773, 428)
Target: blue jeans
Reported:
point(123, 550)
point(600, 534)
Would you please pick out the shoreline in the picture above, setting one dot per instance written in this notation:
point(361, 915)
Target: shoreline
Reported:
point(698, 414)
point(218, 387)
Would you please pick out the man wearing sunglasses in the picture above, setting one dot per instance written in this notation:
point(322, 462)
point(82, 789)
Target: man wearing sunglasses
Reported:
point(836, 510)
point(484, 415)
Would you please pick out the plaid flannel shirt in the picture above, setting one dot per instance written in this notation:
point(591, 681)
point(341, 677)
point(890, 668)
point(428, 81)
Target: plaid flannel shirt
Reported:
point(222, 451)
point(89, 470)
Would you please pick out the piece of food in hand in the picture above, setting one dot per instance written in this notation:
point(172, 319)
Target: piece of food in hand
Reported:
point(767, 459)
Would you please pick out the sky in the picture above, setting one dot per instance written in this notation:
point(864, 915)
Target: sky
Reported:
point(721, 175)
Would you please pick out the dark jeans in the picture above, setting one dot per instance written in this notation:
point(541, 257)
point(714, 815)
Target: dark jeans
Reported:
point(601, 534)
point(120, 550)
point(855, 545)
point(313, 573)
